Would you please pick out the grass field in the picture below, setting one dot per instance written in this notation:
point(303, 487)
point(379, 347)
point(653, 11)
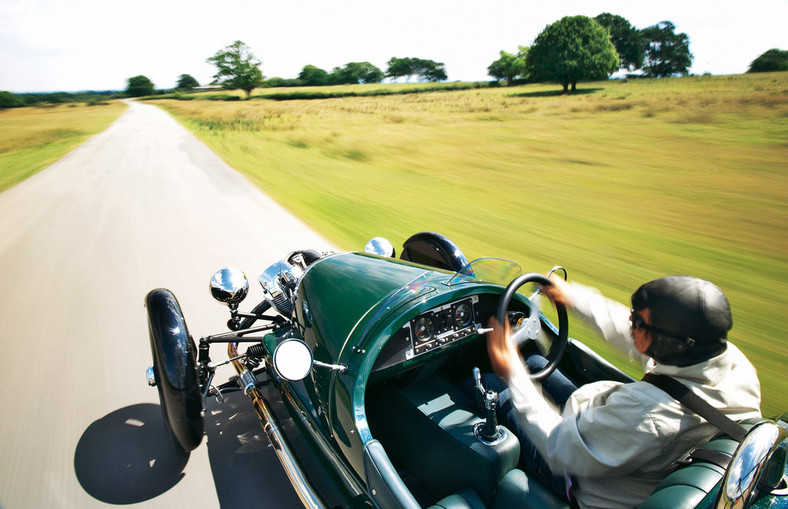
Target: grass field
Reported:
point(620, 183)
point(32, 138)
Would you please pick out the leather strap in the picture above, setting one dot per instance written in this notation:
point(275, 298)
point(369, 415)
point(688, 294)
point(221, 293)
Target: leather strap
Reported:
point(721, 459)
point(689, 399)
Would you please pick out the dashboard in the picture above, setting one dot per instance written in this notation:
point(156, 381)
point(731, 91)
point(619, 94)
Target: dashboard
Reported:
point(434, 329)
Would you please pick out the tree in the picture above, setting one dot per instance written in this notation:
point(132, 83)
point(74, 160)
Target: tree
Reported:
point(139, 86)
point(237, 68)
point(509, 66)
point(628, 40)
point(429, 70)
point(400, 68)
point(312, 76)
point(356, 72)
point(426, 70)
point(770, 61)
point(572, 49)
point(186, 82)
point(667, 53)
point(9, 100)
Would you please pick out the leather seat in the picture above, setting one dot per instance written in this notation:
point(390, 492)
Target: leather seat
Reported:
point(695, 483)
point(516, 490)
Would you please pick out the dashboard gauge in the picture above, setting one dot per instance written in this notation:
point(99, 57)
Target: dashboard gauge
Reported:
point(463, 315)
point(424, 328)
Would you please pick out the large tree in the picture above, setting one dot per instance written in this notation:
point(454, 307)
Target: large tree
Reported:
point(509, 66)
point(628, 40)
point(187, 82)
point(770, 61)
point(139, 86)
point(237, 68)
point(574, 48)
point(667, 53)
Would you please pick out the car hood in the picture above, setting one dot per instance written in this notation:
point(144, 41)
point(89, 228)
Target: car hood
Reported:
point(343, 297)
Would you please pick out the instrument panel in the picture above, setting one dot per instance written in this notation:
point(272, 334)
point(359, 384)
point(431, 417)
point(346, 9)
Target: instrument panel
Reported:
point(441, 326)
point(431, 330)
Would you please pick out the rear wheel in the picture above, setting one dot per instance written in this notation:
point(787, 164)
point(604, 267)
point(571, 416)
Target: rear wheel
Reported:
point(175, 370)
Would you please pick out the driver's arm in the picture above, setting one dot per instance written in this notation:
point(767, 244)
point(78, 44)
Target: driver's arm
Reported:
point(608, 318)
point(592, 442)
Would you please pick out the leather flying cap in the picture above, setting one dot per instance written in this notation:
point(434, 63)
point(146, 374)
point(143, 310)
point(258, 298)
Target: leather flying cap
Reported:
point(690, 319)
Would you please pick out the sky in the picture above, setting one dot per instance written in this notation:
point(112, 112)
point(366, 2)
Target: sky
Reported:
point(73, 45)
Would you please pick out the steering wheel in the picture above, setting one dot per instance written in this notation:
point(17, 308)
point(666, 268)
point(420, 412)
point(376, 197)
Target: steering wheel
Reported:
point(531, 329)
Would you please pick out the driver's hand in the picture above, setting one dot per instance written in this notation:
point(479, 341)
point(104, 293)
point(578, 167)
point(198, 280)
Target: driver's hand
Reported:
point(504, 355)
point(558, 291)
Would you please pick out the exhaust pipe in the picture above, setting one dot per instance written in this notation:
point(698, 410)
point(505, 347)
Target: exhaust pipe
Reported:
point(295, 473)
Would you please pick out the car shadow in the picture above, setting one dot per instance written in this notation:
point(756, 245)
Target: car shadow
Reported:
point(245, 468)
point(126, 457)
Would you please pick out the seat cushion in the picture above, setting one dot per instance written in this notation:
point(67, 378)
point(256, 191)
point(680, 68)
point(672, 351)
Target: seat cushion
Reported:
point(465, 499)
point(688, 485)
point(519, 490)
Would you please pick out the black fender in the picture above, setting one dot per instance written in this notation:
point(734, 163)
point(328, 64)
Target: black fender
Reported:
point(435, 250)
point(175, 369)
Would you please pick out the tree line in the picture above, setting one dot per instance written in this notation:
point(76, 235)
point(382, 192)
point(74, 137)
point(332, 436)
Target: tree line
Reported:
point(579, 48)
point(568, 51)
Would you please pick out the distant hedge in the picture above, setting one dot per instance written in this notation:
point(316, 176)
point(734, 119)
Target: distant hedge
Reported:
point(328, 94)
point(11, 100)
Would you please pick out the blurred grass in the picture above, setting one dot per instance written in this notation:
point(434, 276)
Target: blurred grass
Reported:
point(32, 138)
point(621, 183)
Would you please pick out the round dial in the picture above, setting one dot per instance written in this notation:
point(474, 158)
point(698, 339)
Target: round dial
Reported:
point(424, 328)
point(463, 314)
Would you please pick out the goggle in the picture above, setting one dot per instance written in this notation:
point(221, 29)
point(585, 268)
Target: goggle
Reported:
point(638, 322)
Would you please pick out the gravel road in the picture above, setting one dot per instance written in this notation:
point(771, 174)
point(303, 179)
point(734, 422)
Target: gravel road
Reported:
point(142, 205)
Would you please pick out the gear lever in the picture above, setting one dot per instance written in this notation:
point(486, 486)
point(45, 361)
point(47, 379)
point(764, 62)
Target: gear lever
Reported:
point(488, 431)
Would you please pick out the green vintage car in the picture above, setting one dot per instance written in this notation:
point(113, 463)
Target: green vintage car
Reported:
point(368, 352)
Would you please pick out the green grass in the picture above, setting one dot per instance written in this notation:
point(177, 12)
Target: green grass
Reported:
point(621, 183)
point(32, 138)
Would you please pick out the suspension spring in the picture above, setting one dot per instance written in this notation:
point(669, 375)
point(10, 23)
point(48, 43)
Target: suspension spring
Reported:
point(254, 355)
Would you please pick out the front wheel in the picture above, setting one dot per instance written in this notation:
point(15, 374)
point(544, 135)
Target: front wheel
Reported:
point(175, 370)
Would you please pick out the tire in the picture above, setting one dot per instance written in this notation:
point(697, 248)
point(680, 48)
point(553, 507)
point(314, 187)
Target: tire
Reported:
point(175, 370)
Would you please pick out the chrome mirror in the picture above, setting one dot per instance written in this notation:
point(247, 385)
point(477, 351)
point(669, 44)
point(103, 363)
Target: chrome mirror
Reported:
point(753, 465)
point(230, 286)
point(380, 246)
point(293, 359)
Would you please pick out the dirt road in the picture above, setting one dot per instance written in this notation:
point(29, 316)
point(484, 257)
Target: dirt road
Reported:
point(139, 206)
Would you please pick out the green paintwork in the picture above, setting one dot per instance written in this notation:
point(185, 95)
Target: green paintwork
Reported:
point(352, 330)
point(348, 307)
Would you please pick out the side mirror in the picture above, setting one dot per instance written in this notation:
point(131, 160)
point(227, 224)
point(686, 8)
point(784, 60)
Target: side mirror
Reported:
point(293, 359)
point(757, 465)
point(230, 286)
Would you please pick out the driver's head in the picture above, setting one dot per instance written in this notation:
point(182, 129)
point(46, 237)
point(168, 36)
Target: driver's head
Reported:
point(690, 319)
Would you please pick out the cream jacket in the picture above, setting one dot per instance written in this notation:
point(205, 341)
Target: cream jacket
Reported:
point(618, 441)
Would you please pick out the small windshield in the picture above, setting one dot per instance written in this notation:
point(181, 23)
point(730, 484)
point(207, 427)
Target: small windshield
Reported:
point(492, 270)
